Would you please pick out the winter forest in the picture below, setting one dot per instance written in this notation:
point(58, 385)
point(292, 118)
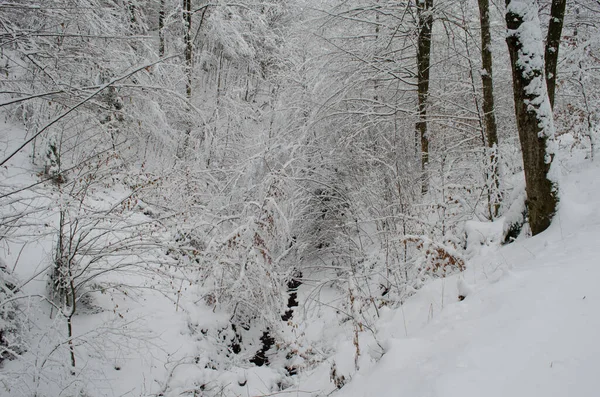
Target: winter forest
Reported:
point(296, 197)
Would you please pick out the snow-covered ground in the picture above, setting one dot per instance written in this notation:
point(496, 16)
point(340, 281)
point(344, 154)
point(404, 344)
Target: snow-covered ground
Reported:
point(125, 338)
point(529, 324)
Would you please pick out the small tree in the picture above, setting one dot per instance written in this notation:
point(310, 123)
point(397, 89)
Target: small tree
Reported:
point(96, 244)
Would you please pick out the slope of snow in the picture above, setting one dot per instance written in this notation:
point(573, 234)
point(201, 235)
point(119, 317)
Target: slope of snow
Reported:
point(529, 326)
point(125, 342)
point(133, 338)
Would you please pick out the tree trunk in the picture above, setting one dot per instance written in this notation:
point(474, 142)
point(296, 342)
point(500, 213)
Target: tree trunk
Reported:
point(188, 55)
point(187, 17)
point(557, 16)
point(132, 17)
point(488, 100)
point(424, 11)
point(70, 321)
point(161, 29)
point(532, 109)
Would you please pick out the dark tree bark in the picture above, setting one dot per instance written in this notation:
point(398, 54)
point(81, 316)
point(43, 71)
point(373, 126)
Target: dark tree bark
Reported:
point(425, 14)
point(488, 97)
point(188, 55)
point(132, 17)
point(532, 109)
point(557, 16)
point(187, 18)
point(161, 29)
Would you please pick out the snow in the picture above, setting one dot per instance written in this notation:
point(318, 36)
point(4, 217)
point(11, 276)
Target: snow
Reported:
point(124, 340)
point(529, 323)
point(483, 235)
point(299, 166)
point(531, 54)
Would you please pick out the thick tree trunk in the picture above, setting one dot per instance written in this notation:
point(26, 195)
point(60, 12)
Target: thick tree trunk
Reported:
point(557, 16)
point(532, 109)
point(488, 102)
point(424, 10)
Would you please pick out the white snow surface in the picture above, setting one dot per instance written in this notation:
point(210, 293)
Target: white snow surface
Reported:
point(528, 327)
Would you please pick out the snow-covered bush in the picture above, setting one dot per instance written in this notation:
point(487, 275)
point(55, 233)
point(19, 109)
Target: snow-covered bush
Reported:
point(12, 342)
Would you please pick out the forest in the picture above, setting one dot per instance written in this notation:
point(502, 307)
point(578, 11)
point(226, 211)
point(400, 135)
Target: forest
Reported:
point(200, 197)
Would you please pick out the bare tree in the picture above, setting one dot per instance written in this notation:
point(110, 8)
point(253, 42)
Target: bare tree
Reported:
point(489, 114)
point(557, 16)
point(425, 15)
point(161, 28)
point(532, 109)
point(189, 44)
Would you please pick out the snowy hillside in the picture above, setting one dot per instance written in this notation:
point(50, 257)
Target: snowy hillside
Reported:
point(313, 198)
point(528, 326)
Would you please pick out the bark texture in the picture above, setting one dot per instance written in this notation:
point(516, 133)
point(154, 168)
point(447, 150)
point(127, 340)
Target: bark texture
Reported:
point(187, 17)
point(424, 10)
point(533, 114)
point(161, 29)
point(488, 99)
point(555, 25)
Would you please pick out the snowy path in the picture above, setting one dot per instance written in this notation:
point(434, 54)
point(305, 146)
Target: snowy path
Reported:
point(529, 328)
